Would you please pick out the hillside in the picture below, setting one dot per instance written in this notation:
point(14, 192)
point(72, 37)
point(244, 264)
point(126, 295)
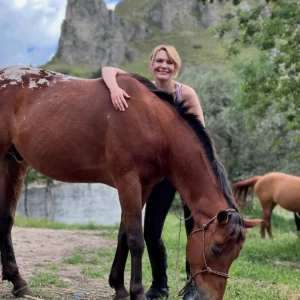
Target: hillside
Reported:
point(93, 36)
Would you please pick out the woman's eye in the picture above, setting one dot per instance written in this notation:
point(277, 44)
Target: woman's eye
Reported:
point(215, 250)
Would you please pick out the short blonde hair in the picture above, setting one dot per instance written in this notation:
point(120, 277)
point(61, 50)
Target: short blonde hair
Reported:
point(172, 54)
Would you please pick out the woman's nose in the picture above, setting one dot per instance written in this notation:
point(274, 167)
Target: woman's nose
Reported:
point(164, 64)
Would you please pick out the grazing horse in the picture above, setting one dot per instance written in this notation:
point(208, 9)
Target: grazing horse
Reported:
point(67, 129)
point(271, 189)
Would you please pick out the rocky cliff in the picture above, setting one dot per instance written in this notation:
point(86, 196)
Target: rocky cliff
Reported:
point(93, 36)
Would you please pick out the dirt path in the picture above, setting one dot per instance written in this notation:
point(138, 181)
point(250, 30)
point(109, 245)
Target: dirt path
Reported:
point(35, 248)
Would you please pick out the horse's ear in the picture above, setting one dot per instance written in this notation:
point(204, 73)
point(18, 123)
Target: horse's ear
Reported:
point(222, 216)
point(250, 223)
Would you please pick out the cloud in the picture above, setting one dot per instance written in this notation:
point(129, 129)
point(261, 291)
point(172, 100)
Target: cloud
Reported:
point(30, 30)
point(111, 4)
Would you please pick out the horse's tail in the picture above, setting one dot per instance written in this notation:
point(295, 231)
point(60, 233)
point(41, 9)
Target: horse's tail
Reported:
point(240, 190)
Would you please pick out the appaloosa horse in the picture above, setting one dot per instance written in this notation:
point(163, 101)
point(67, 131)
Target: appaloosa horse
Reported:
point(67, 129)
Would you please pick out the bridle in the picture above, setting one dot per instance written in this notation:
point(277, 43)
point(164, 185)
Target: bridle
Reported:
point(207, 268)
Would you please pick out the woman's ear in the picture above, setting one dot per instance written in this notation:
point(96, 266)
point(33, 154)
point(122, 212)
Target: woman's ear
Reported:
point(150, 66)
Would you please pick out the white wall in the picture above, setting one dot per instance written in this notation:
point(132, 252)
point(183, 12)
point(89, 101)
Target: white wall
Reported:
point(73, 203)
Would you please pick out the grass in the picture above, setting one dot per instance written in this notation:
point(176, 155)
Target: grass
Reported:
point(45, 279)
point(22, 221)
point(266, 269)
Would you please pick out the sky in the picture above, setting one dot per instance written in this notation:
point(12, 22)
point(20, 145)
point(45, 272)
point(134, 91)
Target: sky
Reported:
point(30, 30)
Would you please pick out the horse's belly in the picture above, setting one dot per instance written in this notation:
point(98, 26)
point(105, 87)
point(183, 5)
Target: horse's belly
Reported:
point(68, 167)
point(81, 175)
point(289, 203)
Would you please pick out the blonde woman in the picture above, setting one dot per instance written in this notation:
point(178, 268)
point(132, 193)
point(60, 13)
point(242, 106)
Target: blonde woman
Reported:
point(164, 63)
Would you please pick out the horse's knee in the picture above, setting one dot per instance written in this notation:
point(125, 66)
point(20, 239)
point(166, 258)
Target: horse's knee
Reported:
point(6, 224)
point(135, 244)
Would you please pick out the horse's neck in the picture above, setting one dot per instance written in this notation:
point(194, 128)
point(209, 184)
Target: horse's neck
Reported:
point(192, 175)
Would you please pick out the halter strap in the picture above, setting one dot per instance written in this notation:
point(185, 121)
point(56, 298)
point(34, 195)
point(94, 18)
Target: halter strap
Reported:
point(207, 268)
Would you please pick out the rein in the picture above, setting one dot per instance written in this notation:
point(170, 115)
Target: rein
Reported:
point(207, 268)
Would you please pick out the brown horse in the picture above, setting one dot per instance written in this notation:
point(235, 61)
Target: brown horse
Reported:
point(271, 189)
point(67, 129)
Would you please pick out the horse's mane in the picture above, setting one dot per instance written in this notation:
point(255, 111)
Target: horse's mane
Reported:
point(236, 221)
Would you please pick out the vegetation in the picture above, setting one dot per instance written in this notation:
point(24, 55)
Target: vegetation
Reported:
point(250, 99)
point(45, 223)
point(244, 151)
point(270, 80)
point(266, 269)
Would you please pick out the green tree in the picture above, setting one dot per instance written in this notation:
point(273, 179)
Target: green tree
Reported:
point(244, 152)
point(270, 80)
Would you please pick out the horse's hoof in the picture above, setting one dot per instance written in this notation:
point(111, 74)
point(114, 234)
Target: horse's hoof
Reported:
point(22, 292)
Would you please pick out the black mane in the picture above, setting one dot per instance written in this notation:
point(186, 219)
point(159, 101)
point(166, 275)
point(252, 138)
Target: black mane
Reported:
point(236, 225)
point(202, 134)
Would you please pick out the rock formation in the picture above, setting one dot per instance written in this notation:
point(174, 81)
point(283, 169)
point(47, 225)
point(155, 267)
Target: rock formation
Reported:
point(93, 36)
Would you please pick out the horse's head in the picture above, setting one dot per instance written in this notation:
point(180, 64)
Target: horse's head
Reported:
point(211, 250)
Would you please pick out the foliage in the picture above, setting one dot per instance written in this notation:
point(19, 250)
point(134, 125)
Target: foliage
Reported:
point(244, 151)
point(33, 176)
point(271, 79)
point(97, 73)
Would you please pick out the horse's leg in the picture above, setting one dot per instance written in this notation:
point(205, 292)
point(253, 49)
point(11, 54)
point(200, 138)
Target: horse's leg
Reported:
point(116, 277)
point(267, 213)
point(12, 175)
point(297, 221)
point(131, 203)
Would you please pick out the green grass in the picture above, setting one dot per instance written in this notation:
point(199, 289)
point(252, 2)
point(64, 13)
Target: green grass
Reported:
point(22, 221)
point(266, 269)
point(125, 9)
point(52, 267)
point(45, 279)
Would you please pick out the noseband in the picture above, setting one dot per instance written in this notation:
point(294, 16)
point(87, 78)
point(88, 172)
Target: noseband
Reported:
point(207, 268)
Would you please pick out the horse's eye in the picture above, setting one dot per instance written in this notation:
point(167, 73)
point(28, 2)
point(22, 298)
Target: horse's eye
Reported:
point(215, 250)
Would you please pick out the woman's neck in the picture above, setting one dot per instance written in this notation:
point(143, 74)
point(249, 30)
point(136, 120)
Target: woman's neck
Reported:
point(169, 86)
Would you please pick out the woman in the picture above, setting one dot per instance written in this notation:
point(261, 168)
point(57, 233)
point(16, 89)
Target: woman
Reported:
point(164, 63)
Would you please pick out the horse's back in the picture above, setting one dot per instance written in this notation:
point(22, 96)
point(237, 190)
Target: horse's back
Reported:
point(67, 128)
point(283, 189)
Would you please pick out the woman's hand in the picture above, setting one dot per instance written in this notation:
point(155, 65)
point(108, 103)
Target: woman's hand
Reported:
point(118, 98)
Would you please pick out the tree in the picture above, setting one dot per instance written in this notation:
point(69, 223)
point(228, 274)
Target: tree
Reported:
point(244, 152)
point(270, 80)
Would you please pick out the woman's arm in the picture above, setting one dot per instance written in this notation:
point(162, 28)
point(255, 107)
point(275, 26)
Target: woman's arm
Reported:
point(192, 100)
point(109, 75)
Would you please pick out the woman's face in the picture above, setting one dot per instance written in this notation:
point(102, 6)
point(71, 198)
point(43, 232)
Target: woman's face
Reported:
point(162, 67)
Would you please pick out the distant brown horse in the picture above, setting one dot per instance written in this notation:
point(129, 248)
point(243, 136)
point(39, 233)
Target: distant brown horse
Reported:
point(67, 129)
point(271, 189)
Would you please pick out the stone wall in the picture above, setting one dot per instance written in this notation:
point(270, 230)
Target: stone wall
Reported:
point(73, 203)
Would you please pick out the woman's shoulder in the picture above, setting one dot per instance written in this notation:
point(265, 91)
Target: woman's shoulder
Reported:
point(187, 91)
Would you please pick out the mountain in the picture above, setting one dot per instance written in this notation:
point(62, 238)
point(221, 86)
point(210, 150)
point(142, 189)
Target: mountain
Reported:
point(93, 36)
